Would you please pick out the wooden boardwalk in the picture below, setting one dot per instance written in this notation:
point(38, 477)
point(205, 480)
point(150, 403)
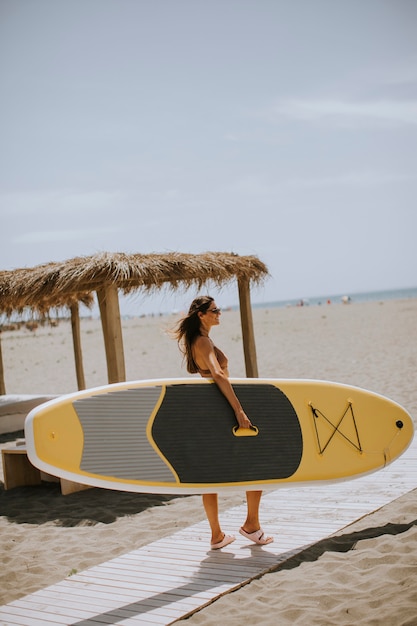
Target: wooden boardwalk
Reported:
point(168, 579)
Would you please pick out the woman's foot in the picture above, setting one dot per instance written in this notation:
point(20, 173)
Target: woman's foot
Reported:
point(258, 536)
point(227, 539)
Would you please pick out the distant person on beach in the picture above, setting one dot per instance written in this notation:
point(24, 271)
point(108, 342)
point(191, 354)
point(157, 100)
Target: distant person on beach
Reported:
point(204, 358)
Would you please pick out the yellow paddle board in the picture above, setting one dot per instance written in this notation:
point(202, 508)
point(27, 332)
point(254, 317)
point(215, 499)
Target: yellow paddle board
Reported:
point(180, 435)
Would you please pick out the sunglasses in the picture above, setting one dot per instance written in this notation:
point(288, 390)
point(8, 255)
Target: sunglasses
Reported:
point(215, 311)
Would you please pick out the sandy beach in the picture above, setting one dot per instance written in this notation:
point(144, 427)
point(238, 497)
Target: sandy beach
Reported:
point(366, 574)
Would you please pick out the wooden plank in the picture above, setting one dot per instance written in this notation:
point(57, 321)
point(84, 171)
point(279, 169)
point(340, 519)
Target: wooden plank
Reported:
point(17, 615)
point(72, 612)
point(202, 579)
point(180, 587)
point(18, 471)
point(68, 486)
point(102, 601)
point(131, 564)
point(230, 569)
point(177, 575)
point(23, 621)
point(139, 585)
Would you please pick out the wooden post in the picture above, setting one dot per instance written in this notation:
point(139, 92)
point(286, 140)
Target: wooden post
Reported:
point(247, 329)
point(76, 340)
point(112, 331)
point(2, 383)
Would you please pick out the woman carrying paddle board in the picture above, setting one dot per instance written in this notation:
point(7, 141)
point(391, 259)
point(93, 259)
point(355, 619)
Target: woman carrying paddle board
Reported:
point(204, 358)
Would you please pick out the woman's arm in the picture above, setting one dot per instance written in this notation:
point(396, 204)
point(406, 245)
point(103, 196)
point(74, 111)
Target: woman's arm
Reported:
point(204, 352)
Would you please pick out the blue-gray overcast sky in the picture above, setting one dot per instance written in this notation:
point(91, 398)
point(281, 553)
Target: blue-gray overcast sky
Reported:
point(284, 129)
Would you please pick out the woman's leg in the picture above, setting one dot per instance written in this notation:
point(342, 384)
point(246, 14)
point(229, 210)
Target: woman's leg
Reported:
point(218, 538)
point(251, 529)
point(211, 507)
point(253, 499)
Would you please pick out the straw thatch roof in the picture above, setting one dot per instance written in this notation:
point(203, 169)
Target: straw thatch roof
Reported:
point(59, 284)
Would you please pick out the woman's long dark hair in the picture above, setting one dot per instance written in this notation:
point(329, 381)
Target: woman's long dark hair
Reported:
point(189, 328)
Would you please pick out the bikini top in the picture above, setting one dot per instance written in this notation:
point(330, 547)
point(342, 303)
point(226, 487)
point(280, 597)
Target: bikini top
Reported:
point(222, 359)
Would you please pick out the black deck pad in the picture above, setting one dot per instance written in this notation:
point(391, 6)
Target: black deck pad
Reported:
point(193, 430)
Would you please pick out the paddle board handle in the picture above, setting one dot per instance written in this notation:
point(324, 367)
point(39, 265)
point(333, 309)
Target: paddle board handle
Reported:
point(245, 432)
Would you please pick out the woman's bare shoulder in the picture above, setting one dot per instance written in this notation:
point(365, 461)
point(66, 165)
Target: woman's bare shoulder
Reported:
point(202, 342)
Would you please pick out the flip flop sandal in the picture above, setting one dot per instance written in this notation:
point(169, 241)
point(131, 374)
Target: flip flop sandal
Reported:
point(258, 536)
point(224, 542)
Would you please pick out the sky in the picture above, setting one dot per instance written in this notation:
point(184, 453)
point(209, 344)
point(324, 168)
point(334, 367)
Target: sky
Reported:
point(285, 129)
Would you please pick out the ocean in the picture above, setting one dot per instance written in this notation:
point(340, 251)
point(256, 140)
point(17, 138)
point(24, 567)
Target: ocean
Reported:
point(366, 296)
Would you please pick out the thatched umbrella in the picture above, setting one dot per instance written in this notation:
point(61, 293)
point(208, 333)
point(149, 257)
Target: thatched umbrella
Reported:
point(65, 284)
point(26, 289)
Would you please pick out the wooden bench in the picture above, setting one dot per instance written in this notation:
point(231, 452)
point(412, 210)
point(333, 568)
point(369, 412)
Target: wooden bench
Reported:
point(18, 471)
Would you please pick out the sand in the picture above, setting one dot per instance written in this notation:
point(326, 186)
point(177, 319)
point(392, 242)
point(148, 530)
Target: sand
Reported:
point(366, 574)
